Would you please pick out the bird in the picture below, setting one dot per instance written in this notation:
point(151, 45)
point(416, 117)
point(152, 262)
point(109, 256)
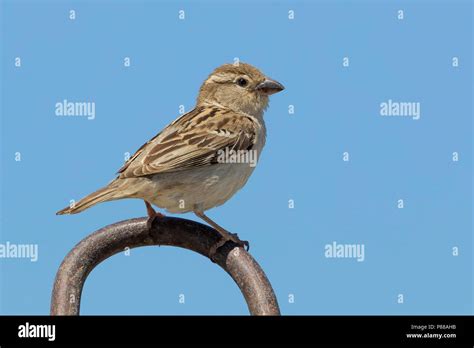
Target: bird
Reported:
point(184, 168)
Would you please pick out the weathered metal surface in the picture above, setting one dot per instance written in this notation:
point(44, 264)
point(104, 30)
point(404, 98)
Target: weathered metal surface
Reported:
point(112, 239)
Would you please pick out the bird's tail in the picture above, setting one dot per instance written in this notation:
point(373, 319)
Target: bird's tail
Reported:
point(106, 193)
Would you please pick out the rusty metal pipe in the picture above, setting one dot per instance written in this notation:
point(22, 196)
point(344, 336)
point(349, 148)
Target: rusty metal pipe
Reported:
point(112, 239)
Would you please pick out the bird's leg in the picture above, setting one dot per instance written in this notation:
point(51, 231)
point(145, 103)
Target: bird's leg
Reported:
point(152, 215)
point(226, 235)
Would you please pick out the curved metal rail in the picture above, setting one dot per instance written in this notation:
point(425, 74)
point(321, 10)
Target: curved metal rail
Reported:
point(112, 239)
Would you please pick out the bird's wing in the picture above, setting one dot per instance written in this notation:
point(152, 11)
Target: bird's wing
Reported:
point(193, 140)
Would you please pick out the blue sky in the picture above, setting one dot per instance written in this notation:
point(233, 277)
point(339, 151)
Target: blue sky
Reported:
point(408, 251)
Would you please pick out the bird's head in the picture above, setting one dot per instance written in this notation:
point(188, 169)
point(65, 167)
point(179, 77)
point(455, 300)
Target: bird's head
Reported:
point(240, 87)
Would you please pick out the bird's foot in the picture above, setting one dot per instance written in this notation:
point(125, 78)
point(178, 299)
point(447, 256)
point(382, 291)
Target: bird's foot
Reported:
point(152, 215)
point(149, 221)
point(232, 237)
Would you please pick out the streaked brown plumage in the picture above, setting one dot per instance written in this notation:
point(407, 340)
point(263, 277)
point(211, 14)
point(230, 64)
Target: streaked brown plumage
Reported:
point(178, 169)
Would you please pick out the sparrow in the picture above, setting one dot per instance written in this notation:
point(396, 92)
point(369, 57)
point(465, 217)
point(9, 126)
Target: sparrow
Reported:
point(184, 168)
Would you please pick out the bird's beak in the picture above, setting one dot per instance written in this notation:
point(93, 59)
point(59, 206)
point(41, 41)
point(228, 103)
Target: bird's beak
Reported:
point(269, 87)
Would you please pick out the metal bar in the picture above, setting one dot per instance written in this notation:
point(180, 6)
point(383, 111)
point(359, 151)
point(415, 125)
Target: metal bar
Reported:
point(112, 239)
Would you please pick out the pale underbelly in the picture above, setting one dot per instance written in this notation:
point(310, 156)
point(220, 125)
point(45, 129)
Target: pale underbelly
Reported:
point(197, 189)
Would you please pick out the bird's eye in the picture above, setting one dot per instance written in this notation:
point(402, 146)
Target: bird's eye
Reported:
point(242, 82)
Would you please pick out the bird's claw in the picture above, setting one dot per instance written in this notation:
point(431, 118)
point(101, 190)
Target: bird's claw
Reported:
point(152, 215)
point(232, 237)
point(149, 221)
